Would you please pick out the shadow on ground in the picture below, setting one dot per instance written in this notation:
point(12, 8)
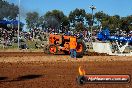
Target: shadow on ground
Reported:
point(20, 78)
point(27, 77)
point(3, 78)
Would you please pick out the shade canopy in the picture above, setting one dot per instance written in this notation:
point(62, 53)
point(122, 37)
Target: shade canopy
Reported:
point(14, 22)
point(5, 22)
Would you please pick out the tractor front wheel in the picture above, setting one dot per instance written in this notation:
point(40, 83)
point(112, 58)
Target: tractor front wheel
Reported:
point(53, 49)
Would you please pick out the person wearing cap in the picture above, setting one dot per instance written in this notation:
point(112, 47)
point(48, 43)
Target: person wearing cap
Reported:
point(73, 45)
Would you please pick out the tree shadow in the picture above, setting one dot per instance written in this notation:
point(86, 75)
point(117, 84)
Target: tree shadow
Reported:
point(20, 78)
point(3, 78)
point(28, 77)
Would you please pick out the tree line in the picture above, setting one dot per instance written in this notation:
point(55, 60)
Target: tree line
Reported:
point(8, 11)
point(77, 19)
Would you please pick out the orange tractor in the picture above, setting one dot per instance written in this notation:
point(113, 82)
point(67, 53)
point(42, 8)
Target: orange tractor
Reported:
point(60, 43)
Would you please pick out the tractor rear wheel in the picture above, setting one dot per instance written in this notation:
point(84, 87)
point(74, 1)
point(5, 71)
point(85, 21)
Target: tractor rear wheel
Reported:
point(52, 49)
point(81, 47)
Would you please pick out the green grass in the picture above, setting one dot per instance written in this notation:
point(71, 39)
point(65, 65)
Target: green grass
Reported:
point(30, 44)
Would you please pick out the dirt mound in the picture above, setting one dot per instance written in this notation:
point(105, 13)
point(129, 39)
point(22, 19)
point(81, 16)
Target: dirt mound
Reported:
point(12, 54)
point(96, 54)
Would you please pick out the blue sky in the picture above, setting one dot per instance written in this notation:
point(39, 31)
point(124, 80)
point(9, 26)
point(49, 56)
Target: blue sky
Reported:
point(111, 7)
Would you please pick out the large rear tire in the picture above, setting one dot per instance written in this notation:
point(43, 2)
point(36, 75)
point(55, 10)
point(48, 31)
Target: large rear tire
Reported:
point(80, 49)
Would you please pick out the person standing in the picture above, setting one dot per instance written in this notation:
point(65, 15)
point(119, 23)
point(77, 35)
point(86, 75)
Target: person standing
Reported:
point(73, 45)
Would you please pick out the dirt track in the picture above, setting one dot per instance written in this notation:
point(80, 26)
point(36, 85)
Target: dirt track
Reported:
point(37, 71)
point(41, 54)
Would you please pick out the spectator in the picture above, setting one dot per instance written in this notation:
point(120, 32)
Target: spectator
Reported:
point(73, 45)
